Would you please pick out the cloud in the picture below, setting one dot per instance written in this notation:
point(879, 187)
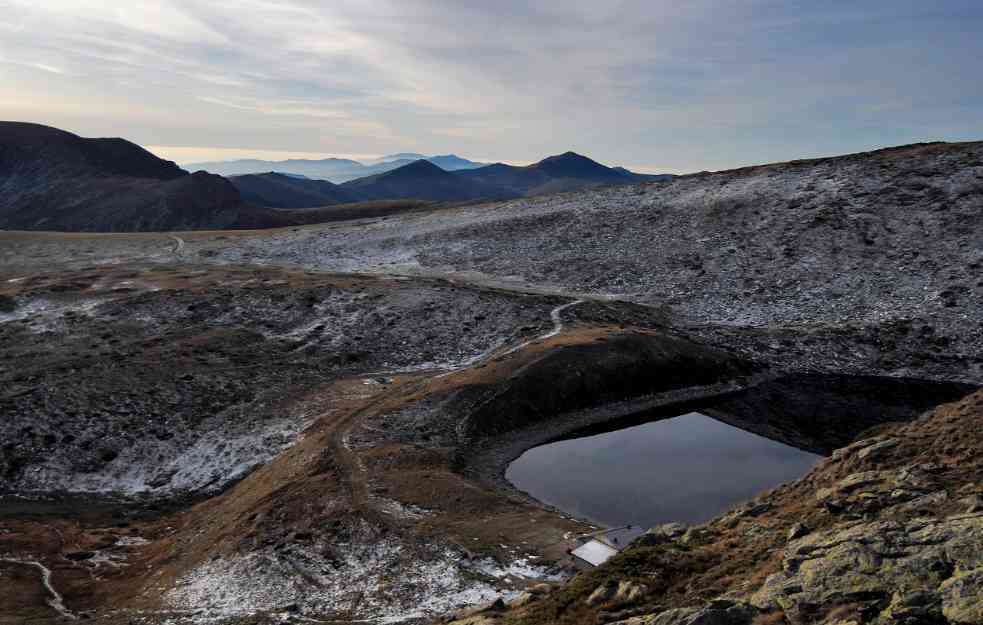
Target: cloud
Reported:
point(699, 84)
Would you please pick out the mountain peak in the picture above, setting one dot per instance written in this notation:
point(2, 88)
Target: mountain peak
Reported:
point(571, 164)
point(417, 168)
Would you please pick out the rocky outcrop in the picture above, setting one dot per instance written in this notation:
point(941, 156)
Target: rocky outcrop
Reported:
point(888, 529)
point(884, 563)
point(719, 612)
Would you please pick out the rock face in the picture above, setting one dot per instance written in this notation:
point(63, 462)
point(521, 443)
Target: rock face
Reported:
point(878, 560)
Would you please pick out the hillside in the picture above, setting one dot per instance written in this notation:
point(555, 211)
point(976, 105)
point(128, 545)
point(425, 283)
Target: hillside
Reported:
point(54, 180)
point(277, 190)
point(422, 180)
point(554, 174)
point(843, 240)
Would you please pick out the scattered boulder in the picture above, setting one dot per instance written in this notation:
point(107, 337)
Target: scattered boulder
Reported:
point(798, 531)
point(622, 592)
point(717, 612)
point(523, 598)
point(601, 594)
point(467, 615)
point(877, 450)
point(667, 532)
point(962, 596)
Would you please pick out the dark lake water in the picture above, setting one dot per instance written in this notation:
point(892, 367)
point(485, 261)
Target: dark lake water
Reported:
point(688, 468)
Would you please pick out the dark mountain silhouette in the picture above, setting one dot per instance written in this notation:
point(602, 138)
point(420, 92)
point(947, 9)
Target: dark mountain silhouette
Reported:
point(636, 177)
point(423, 180)
point(565, 172)
point(278, 190)
point(54, 180)
point(573, 165)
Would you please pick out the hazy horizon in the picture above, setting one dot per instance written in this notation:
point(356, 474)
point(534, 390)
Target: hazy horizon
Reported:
point(653, 86)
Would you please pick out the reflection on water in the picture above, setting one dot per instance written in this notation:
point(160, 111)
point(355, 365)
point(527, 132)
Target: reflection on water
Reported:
point(688, 468)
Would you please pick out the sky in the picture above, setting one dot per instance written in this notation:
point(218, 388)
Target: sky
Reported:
point(655, 85)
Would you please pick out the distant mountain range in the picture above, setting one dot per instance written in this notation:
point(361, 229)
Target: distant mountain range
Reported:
point(54, 180)
point(424, 180)
point(336, 170)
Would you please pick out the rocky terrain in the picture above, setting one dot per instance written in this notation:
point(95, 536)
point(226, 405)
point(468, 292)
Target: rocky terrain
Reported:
point(886, 530)
point(311, 424)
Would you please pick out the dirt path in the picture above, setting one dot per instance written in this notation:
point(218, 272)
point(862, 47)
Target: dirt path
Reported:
point(555, 315)
point(55, 601)
point(353, 473)
point(178, 243)
point(353, 470)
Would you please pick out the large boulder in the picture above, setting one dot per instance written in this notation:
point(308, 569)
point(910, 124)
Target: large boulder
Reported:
point(872, 561)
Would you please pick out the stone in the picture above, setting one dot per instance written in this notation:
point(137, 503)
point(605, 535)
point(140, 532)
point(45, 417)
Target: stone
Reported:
point(921, 606)
point(601, 594)
point(625, 591)
point(523, 598)
point(464, 614)
point(630, 592)
point(7, 304)
point(877, 450)
point(540, 589)
point(973, 503)
point(667, 532)
point(962, 597)
point(798, 531)
point(717, 612)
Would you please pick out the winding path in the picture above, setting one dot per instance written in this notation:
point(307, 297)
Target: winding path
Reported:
point(555, 315)
point(352, 468)
point(56, 601)
point(178, 243)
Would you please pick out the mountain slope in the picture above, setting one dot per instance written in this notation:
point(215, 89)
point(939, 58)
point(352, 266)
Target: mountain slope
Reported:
point(277, 190)
point(850, 239)
point(555, 174)
point(423, 180)
point(54, 180)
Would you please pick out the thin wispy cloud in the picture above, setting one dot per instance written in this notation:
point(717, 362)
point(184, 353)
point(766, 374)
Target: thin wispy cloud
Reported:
point(679, 86)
